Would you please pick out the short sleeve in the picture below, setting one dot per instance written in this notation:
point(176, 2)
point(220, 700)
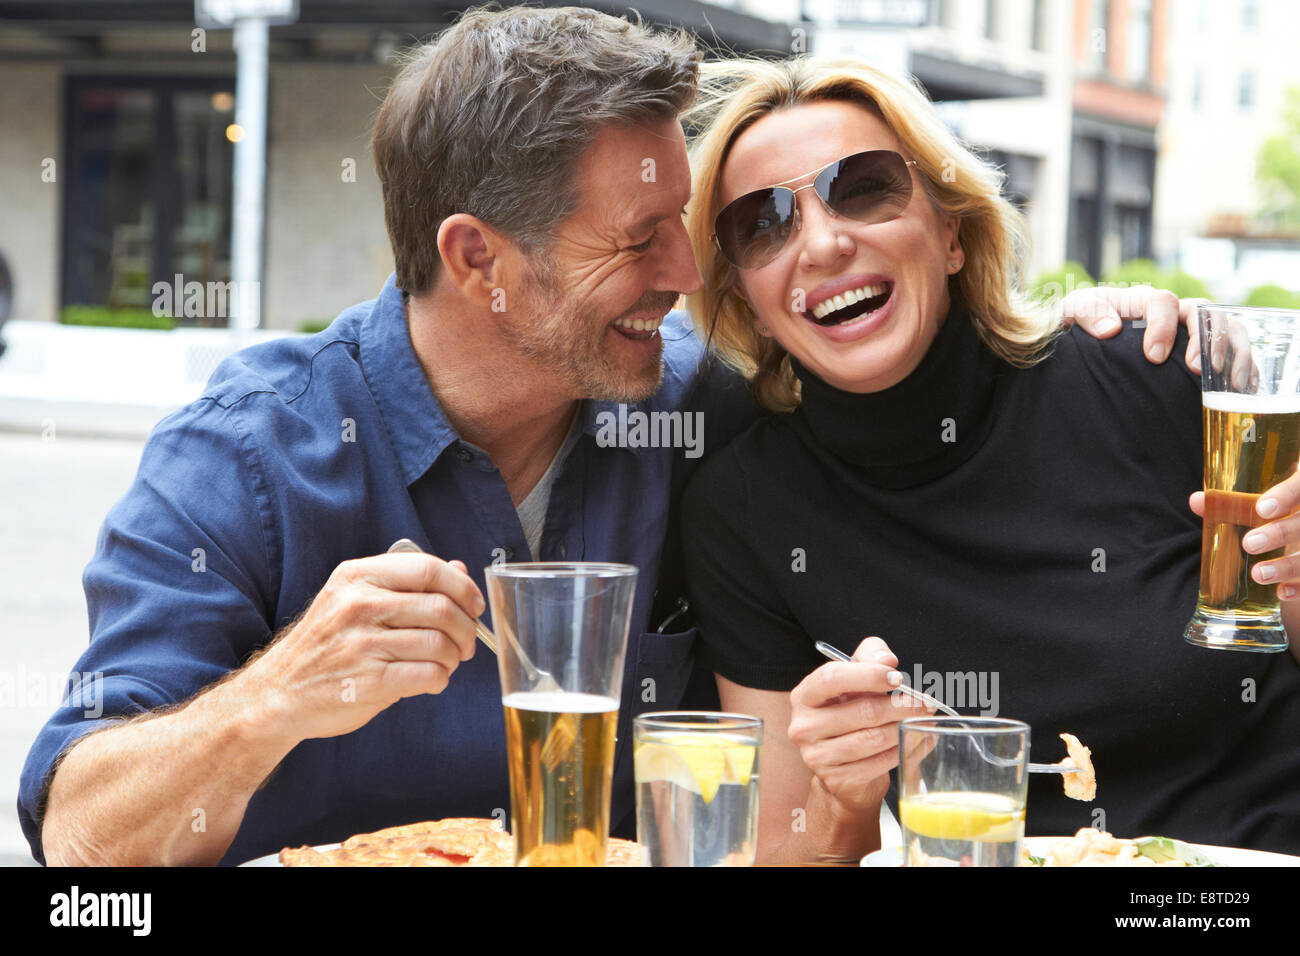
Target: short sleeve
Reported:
point(178, 590)
point(749, 635)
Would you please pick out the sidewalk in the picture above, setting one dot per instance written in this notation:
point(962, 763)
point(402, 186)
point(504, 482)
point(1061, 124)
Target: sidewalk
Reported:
point(77, 380)
point(54, 494)
point(76, 404)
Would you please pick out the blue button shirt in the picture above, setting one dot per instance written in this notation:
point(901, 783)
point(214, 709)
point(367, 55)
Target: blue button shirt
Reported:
point(303, 453)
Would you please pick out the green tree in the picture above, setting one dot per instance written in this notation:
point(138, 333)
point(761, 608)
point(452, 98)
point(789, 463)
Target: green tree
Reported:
point(1054, 284)
point(1277, 167)
point(1273, 297)
point(1136, 272)
point(1185, 285)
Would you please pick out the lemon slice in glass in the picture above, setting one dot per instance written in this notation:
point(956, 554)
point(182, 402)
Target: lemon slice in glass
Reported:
point(986, 817)
point(657, 761)
point(698, 762)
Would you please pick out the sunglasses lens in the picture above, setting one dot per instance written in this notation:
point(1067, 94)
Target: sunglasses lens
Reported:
point(870, 187)
point(753, 229)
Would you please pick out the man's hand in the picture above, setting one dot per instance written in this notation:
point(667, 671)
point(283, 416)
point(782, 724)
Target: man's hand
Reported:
point(1100, 310)
point(844, 719)
point(1282, 501)
point(382, 628)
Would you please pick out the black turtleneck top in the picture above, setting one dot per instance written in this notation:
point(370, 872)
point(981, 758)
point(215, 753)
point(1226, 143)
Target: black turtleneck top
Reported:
point(1021, 540)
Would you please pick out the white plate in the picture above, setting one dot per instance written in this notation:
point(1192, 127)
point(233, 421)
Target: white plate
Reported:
point(273, 859)
point(1223, 855)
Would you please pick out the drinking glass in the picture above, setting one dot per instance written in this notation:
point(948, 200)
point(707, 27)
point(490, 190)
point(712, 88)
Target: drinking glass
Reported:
point(562, 635)
point(697, 787)
point(1250, 391)
point(962, 784)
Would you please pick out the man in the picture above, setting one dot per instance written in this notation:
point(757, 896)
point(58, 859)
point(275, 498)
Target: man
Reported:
point(267, 674)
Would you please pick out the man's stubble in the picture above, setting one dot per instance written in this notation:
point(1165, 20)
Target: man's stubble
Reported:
point(554, 333)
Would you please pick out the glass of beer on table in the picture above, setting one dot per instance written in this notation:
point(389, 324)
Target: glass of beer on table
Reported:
point(562, 635)
point(1250, 390)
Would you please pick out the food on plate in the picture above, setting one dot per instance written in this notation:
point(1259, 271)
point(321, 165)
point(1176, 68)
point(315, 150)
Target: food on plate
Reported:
point(1081, 785)
point(1092, 847)
point(451, 842)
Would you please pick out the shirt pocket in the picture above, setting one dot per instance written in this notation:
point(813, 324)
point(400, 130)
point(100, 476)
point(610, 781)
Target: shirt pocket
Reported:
point(663, 668)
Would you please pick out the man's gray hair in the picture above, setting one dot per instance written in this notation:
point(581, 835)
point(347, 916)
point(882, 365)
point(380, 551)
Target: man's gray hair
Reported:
point(492, 118)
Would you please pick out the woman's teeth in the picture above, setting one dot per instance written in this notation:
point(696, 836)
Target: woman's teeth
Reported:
point(846, 299)
point(639, 325)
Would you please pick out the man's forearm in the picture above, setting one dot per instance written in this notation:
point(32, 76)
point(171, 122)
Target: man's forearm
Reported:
point(169, 790)
point(827, 832)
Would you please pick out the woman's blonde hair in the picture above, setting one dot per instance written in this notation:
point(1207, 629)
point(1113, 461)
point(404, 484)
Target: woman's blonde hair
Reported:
point(734, 94)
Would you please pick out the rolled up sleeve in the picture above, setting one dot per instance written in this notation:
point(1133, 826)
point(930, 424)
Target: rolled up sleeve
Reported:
point(179, 591)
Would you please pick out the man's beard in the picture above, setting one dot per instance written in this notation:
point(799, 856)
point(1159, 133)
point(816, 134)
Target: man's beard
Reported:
point(572, 344)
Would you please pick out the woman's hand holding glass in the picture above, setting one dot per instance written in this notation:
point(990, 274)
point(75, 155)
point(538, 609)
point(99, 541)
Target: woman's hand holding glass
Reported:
point(844, 720)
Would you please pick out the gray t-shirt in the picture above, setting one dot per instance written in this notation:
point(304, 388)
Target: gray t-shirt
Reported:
point(532, 510)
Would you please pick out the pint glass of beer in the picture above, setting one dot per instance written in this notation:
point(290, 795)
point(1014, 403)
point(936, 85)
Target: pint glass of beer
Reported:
point(1250, 384)
point(562, 634)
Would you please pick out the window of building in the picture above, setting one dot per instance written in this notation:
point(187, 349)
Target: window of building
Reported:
point(1098, 40)
point(1038, 31)
point(148, 188)
point(1249, 14)
point(1137, 42)
point(1246, 90)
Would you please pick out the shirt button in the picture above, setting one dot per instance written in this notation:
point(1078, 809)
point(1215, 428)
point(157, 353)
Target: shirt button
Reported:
point(510, 553)
point(464, 454)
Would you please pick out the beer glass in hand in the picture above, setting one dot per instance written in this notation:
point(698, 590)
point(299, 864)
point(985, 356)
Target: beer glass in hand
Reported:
point(562, 635)
point(1250, 384)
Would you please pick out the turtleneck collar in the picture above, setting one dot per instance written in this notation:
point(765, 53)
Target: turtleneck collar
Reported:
point(923, 427)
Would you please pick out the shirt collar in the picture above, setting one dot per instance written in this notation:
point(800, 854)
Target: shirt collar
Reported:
point(417, 427)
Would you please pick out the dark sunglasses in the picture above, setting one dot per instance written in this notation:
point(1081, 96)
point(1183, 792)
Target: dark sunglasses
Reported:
point(869, 187)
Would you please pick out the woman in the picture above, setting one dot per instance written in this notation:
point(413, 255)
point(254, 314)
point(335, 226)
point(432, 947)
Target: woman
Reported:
point(1005, 508)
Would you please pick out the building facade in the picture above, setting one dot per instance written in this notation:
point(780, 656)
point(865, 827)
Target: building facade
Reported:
point(1000, 73)
point(1119, 88)
point(1227, 95)
point(116, 151)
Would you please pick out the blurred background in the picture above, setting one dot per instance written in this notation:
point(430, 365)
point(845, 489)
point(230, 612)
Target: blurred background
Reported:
point(1147, 141)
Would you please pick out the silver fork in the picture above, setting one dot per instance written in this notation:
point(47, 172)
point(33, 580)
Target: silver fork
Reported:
point(563, 733)
point(835, 654)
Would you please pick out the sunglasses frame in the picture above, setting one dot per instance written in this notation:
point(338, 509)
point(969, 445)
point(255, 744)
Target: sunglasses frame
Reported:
point(794, 193)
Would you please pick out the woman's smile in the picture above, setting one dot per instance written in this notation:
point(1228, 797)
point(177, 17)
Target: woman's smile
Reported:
point(856, 302)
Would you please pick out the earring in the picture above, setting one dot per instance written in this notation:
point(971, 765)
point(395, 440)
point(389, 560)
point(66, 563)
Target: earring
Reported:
point(762, 330)
point(954, 266)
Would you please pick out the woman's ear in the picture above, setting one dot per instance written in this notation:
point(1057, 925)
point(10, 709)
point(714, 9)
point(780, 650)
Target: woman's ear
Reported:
point(955, 256)
point(759, 327)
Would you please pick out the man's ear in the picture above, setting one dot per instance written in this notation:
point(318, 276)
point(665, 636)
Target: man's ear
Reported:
point(475, 258)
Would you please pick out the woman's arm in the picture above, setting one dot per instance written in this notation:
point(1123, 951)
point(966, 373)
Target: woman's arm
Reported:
point(828, 747)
